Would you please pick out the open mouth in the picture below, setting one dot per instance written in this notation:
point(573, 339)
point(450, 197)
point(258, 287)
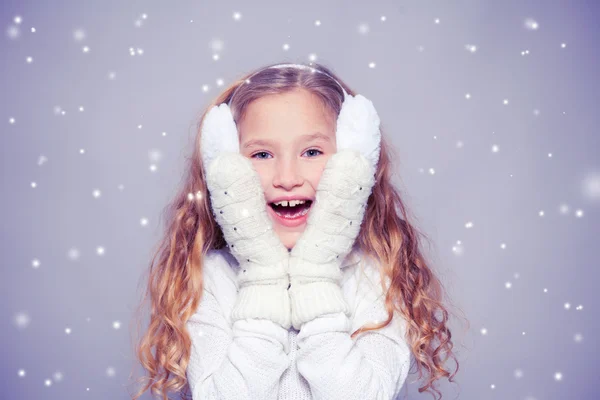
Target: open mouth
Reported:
point(291, 212)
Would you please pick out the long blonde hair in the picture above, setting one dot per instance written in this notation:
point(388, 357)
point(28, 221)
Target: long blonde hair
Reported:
point(175, 283)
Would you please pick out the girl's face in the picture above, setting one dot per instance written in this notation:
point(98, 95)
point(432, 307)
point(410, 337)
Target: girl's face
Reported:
point(289, 138)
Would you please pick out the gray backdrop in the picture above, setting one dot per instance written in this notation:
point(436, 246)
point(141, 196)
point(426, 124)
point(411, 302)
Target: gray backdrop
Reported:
point(491, 105)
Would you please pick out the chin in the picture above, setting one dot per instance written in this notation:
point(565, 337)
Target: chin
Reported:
point(289, 239)
point(289, 244)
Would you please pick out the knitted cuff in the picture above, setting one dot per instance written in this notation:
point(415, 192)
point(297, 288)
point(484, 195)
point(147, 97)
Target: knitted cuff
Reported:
point(315, 290)
point(252, 273)
point(266, 301)
point(263, 292)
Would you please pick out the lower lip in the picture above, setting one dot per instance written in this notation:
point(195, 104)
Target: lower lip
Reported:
point(289, 222)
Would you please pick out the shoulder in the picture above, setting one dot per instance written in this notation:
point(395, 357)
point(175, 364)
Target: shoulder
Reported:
point(219, 286)
point(363, 274)
point(219, 258)
point(219, 266)
point(362, 288)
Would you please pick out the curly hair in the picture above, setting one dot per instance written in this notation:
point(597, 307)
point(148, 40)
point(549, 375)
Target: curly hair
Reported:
point(175, 280)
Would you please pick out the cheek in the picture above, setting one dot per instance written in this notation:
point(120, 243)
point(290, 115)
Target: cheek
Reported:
point(315, 173)
point(265, 173)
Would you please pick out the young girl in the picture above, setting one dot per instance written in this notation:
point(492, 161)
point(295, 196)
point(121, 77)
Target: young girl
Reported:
point(289, 269)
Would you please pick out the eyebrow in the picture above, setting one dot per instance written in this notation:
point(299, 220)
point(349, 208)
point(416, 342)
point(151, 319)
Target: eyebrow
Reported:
point(312, 136)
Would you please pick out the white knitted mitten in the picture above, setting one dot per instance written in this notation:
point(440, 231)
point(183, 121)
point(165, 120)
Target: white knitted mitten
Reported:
point(239, 207)
point(332, 227)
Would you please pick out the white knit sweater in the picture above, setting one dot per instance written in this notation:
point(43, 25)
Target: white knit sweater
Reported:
point(258, 359)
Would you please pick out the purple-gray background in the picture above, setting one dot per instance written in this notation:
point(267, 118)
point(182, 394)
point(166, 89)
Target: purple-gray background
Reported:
point(492, 106)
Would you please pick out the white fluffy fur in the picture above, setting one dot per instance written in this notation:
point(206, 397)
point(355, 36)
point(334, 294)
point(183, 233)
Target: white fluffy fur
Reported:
point(219, 134)
point(358, 128)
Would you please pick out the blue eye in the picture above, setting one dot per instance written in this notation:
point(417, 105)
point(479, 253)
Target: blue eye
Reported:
point(314, 150)
point(260, 152)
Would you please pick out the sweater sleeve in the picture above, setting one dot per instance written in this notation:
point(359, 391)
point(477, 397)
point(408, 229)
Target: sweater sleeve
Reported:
point(374, 365)
point(243, 360)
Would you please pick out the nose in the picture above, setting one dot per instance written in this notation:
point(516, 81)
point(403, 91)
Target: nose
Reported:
point(287, 174)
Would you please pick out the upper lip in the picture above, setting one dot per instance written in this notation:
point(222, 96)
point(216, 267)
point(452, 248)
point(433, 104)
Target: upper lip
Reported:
point(288, 198)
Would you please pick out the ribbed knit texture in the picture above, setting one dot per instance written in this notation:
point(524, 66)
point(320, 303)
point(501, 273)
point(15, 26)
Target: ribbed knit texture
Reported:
point(251, 359)
point(264, 301)
point(315, 290)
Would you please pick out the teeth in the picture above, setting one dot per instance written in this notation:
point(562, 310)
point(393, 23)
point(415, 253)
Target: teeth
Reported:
point(292, 203)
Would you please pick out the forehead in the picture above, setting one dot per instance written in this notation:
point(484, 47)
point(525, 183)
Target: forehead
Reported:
point(287, 115)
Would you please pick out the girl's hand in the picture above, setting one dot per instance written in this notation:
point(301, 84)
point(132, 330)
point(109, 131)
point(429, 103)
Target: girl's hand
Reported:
point(332, 227)
point(239, 206)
